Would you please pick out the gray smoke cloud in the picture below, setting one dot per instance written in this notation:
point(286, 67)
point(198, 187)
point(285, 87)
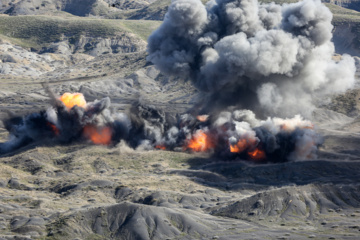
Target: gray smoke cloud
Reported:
point(229, 134)
point(268, 58)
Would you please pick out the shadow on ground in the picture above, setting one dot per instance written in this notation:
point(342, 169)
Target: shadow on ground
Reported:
point(241, 175)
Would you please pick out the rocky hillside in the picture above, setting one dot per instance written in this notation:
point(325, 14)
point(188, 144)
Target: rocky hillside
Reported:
point(52, 191)
point(34, 45)
point(346, 30)
point(350, 4)
point(89, 192)
point(105, 8)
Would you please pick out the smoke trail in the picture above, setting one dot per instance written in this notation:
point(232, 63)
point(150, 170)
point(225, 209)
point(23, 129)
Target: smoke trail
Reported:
point(268, 58)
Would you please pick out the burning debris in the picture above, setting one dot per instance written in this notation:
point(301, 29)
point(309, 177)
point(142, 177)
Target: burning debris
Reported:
point(236, 134)
point(200, 142)
point(268, 58)
point(239, 134)
point(69, 119)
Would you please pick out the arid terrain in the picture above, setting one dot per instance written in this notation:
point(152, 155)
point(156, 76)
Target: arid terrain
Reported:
point(80, 190)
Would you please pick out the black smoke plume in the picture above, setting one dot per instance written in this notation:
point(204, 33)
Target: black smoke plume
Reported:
point(231, 135)
point(62, 124)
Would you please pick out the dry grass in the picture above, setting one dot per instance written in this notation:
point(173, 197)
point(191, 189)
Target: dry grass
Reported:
point(39, 31)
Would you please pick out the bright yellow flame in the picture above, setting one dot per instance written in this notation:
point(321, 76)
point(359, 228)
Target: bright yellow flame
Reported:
point(73, 99)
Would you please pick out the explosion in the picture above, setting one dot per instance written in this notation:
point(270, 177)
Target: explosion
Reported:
point(257, 154)
point(200, 142)
point(69, 119)
point(73, 99)
point(239, 134)
point(267, 58)
point(241, 146)
point(236, 134)
point(98, 135)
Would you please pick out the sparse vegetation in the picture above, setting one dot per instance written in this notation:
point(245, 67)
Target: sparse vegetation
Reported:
point(39, 31)
point(80, 190)
point(142, 28)
point(347, 103)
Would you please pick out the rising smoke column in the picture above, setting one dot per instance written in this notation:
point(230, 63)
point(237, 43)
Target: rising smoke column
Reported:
point(269, 58)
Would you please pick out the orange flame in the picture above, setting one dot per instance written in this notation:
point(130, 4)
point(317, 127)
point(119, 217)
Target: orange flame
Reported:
point(53, 128)
point(98, 135)
point(200, 142)
point(239, 147)
point(243, 144)
point(257, 154)
point(73, 99)
point(162, 147)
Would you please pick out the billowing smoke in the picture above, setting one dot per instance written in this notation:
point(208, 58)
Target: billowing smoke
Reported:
point(69, 119)
point(268, 58)
point(239, 134)
point(230, 135)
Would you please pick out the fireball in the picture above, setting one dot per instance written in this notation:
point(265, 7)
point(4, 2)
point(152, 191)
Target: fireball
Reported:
point(73, 99)
point(200, 142)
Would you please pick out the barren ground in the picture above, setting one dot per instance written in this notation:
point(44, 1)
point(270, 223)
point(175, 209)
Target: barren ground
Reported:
point(83, 191)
